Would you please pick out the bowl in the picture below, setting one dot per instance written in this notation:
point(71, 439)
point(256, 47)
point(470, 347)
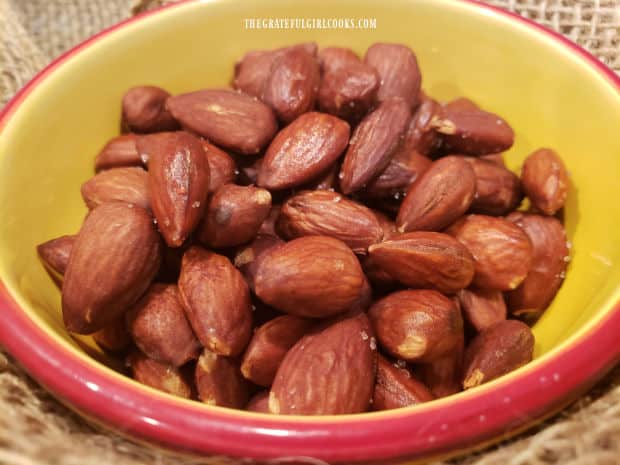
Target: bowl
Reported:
point(552, 92)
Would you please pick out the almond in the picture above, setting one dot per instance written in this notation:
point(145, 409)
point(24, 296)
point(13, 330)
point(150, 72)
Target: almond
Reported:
point(498, 190)
point(303, 150)
point(425, 259)
point(443, 376)
point(219, 382)
point(129, 185)
point(417, 325)
point(234, 215)
point(292, 85)
point(160, 376)
point(54, 255)
point(550, 257)
point(329, 371)
point(259, 403)
point(406, 166)
point(497, 158)
point(114, 337)
point(222, 168)
point(269, 225)
point(373, 144)
point(332, 59)
point(545, 181)
point(326, 181)
point(119, 152)
point(482, 308)
point(396, 387)
point(269, 345)
point(441, 195)
point(460, 104)
point(421, 135)
point(229, 119)
point(216, 300)
point(112, 263)
point(474, 132)
point(313, 276)
point(502, 251)
point(398, 69)
point(326, 213)
point(496, 351)
point(248, 257)
point(144, 110)
point(159, 327)
point(178, 182)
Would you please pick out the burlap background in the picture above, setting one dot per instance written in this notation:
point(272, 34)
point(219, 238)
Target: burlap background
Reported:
point(35, 429)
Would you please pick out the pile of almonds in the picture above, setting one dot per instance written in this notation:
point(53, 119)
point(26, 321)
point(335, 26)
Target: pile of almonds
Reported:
point(322, 239)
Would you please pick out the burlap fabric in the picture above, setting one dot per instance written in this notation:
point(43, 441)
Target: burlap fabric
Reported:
point(35, 429)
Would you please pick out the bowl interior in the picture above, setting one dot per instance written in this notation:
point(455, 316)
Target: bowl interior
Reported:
point(549, 97)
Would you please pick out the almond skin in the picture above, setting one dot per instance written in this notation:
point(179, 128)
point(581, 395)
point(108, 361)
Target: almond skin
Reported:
point(421, 135)
point(417, 325)
point(441, 195)
point(248, 257)
point(496, 351)
point(474, 132)
point(234, 215)
point(269, 345)
point(313, 276)
point(550, 257)
point(396, 387)
point(329, 371)
point(425, 260)
point(498, 190)
point(443, 376)
point(293, 84)
point(112, 262)
point(144, 110)
point(114, 337)
point(373, 144)
point(216, 300)
point(326, 213)
point(222, 168)
point(160, 376)
point(229, 119)
point(219, 382)
point(482, 308)
point(269, 225)
point(54, 255)
point(502, 251)
point(545, 181)
point(460, 104)
point(406, 166)
point(497, 158)
point(119, 152)
point(259, 403)
point(303, 150)
point(159, 327)
point(398, 69)
point(178, 182)
point(129, 185)
point(332, 59)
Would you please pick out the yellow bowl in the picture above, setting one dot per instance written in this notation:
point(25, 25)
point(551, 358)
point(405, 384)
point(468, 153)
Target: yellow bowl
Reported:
point(552, 93)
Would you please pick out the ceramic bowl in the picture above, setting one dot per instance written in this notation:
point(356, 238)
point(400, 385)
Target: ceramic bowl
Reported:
point(552, 93)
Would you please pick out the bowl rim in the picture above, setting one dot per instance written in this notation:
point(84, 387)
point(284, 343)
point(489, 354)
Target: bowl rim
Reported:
point(143, 413)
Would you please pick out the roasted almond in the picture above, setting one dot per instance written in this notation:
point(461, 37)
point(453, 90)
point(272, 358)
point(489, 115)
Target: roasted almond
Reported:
point(269, 345)
point(326, 181)
point(425, 260)
point(219, 381)
point(326, 213)
point(159, 327)
point(545, 181)
point(441, 195)
point(417, 325)
point(396, 387)
point(550, 257)
point(119, 152)
point(404, 168)
point(112, 263)
point(373, 144)
point(482, 308)
point(421, 135)
point(222, 168)
point(498, 190)
point(497, 158)
point(234, 215)
point(129, 185)
point(248, 257)
point(443, 376)
point(269, 225)
point(178, 182)
point(502, 251)
point(259, 403)
point(303, 150)
point(230, 119)
point(329, 371)
point(293, 84)
point(496, 351)
point(474, 132)
point(332, 59)
point(313, 276)
point(114, 337)
point(144, 110)
point(159, 375)
point(54, 255)
point(460, 104)
point(398, 69)
point(216, 300)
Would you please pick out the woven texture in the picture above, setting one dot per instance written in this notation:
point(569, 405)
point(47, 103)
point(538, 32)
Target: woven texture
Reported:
point(37, 430)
